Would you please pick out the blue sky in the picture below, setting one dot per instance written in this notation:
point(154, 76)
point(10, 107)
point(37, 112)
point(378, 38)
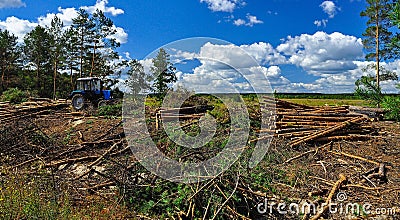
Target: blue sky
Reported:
point(301, 45)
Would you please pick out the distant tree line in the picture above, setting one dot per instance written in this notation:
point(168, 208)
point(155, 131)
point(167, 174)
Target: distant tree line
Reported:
point(315, 96)
point(50, 58)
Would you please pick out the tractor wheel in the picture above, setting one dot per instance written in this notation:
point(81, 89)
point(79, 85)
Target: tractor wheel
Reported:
point(78, 102)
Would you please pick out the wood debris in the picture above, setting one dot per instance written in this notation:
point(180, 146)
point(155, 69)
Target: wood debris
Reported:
point(181, 114)
point(33, 107)
point(303, 124)
point(99, 160)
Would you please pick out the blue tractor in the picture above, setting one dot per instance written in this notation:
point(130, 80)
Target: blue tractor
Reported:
point(89, 93)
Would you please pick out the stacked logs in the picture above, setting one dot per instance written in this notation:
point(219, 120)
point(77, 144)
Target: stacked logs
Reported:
point(33, 107)
point(302, 123)
point(181, 114)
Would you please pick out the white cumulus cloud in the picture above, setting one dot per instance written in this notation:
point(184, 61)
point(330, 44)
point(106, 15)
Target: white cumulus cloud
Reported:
point(120, 36)
point(223, 5)
point(341, 83)
point(251, 21)
point(11, 4)
point(323, 53)
point(264, 53)
point(20, 27)
point(179, 56)
point(239, 22)
point(329, 8)
point(231, 68)
point(64, 14)
point(102, 6)
point(335, 60)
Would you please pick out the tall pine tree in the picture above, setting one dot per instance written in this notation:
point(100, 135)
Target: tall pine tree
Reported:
point(96, 45)
point(9, 54)
point(38, 58)
point(138, 81)
point(104, 45)
point(57, 49)
point(84, 28)
point(163, 71)
point(72, 54)
point(395, 18)
point(377, 36)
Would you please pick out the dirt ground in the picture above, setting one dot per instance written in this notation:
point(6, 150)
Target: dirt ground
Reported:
point(318, 171)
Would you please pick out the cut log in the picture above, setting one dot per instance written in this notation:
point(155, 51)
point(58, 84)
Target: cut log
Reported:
point(327, 131)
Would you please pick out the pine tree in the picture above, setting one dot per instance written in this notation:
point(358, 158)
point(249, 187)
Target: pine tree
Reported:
point(377, 36)
point(71, 54)
point(57, 48)
point(163, 71)
point(38, 58)
point(97, 45)
point(83, 26)
point(104, 45)
point(138, 81)
point(394, 46)
point(9, 54)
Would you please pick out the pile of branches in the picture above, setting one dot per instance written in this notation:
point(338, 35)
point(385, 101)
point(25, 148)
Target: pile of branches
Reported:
point(28, 145)
point(303, 124)
point(31, 108)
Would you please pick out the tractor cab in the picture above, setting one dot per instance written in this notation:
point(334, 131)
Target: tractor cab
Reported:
point(89, 92)
point(90, 84)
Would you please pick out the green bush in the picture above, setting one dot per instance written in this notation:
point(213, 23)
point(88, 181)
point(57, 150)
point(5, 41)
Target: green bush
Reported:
point(15, 95)
point(110, 110)
point(392, 105)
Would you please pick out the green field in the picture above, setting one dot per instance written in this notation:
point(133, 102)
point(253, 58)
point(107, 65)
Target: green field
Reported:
point(331, 102)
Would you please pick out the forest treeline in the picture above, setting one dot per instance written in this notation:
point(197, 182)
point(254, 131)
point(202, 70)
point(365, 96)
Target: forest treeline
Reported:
point(48, 60)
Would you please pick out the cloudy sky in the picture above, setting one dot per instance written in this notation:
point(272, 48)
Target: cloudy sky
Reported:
point(298, 45)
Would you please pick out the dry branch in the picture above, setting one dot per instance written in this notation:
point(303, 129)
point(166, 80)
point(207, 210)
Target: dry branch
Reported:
point(354, 157)
point(328, 200)
point(70, 160)
point(99, 159)
point(381, 174)
point(227, 199)
point(308, 152)
point(349, 137)
point(25, 162)
point(101, 185)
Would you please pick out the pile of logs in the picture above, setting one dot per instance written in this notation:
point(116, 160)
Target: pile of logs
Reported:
point(33, 107)
point(301, 123)
point(184, 113)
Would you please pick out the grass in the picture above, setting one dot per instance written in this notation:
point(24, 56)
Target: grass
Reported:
point(36, 197)
point(330, 102)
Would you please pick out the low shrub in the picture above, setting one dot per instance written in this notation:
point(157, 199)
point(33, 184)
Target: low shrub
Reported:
point(392, 105)
point(110, 110)
point(15, 96)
